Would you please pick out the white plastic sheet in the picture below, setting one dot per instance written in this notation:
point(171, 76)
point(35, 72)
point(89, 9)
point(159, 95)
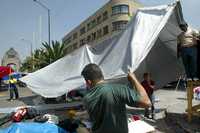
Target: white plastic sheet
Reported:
point(147, 45)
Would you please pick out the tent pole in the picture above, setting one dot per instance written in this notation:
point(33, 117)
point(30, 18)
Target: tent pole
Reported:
point(178, 83)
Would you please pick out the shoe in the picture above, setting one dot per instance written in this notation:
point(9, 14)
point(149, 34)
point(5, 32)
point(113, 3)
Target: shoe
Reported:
point(147, 116)
point(153, 117)
point(195, 79)
point(11, 100)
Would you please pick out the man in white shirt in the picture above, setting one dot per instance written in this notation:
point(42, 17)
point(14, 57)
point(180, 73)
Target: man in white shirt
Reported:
point(187, 48)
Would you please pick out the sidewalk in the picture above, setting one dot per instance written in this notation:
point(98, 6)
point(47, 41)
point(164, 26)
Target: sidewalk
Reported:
point(170, 110)
point(170, 113)
point(175, 103)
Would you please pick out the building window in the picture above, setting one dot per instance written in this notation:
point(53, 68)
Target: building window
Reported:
point(82, 41)
point(99, 19)
point(93, 23)
point(119, 25)
point(105, 30)
point(75, 35)
point(82, 31)
point(93, 36)
point(68, 40)
point(88, 38)
point(120, 9)
point(99, 33)
point(75, 45)
point(88, 26)
point(69, 49)
point(105, 15)
point(11, 56)
point(125, 9)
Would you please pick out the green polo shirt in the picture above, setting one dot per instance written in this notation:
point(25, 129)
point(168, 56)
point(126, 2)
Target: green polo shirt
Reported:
point(105, 104)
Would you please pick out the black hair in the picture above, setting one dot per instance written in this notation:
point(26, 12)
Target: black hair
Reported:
point(183, 25)
point(92, 72)
point(146, 74)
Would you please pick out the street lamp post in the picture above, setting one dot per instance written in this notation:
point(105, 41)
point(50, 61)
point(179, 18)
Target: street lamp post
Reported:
point(31, 46)
point(48, 10)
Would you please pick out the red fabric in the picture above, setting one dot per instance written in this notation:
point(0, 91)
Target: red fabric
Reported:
point(147, 86)
point(19, 115)
point(4, 71)
point(197, 89)
point(135, 117)
point(72, 93)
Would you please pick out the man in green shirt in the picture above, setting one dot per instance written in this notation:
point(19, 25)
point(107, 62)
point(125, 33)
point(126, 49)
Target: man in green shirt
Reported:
point(106, 103)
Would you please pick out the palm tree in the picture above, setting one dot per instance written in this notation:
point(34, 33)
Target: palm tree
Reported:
point(38, 61)
point(27, 65)
point(44, 56)
point(53, 52)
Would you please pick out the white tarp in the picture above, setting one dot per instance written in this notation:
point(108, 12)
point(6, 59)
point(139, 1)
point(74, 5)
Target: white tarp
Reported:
point(147, 45)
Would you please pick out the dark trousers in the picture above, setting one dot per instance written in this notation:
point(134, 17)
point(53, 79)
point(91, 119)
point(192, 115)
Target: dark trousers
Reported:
point(13, 91)
point(189, 58)
point(146, 112)
point(198, 59)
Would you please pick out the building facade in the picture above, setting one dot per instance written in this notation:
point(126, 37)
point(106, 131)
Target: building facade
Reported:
point(11, 58)
point(106, 22)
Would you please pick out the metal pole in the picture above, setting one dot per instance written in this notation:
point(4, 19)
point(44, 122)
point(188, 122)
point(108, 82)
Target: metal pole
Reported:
point(32, 57)
point(31, 50)
point(48, 10)
point(49, 30)
point(40, 29)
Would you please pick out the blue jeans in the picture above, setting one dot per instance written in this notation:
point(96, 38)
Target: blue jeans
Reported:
point(189, 57)
point(146, 111)
point(198, 96)
point(13, 90)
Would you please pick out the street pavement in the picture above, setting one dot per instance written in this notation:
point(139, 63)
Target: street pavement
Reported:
point(26, 98)
point(170, 109)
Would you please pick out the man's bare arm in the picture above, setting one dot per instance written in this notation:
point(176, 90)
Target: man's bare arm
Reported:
point(144, 99)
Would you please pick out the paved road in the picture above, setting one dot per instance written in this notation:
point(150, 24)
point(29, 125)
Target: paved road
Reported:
point(26, 98)
point(174, 102)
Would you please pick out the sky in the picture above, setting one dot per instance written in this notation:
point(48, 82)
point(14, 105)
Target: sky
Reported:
point(24, 22)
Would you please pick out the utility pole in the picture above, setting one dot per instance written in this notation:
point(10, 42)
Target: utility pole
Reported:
point(49, 24)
